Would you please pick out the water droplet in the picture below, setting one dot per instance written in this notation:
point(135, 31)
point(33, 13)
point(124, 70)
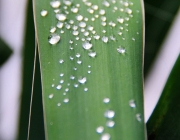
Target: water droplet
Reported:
point(64, 93)
point(103, 18)
point(75, 68)
point(52, 85)
point(87, 45)
point(126, 4)
point(92, 54)
point(79, 62)
point(82, 24)
point(103, 23)
point(95, 7)
point(66, 100)
point(104, 31)
point(58, 104)
point(86, 33)
point(76, 85)
point(79, 17)
point(82, 80)
point(89, 71)
point(96, 37)
point(132, 103)
point(105, 136)
point(62, 32)
point(105, 3)
point(102, 12)
point(60, 25)
point(91, 11)
point(44, 13)
point(105, 39)
point(138, 117)
point(59, 87)
point(93, 19)
point(121, 50)
point(85, 89)
point(75, 33)
point(74, 9)
point(67, 89)
point(100, 129)
point(72, 77)
point(55, 4)
point(109, 114)
point(67, 2)
point(119, 33)
point(70, 41)
point(61, 17)
point(53, 29)
point(133, 39)
point(112, 38)
point(110, 123)
point(61, 81)
point(68, 26)
point(120, 20)
point(61, 61)
point(106, 100)
point(89, 66)
point(62, 74)
point(129, 11)
point(51, 96)
point(54, 39)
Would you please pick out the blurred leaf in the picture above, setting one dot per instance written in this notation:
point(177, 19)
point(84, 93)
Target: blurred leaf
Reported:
point(37, 126)
point(74, 85)
point(5, 52)
point(164, 123)
point(159, 15)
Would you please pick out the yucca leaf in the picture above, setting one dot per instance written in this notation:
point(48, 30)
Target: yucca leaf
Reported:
point(91, 68)
point(164, 122)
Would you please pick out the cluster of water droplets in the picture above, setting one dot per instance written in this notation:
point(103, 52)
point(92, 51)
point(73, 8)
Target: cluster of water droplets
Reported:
point(84, 35)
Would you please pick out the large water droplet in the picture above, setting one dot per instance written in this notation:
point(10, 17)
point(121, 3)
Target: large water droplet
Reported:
point(100, 129)
point(105, 136)
point(54, 39)
point(121, 50)
point(61, 17)
point(87, 45)
point(109, 114)
point(82, 80)
point(51, 96)
point(132, 103)
point(55, 4)
point(44, 13)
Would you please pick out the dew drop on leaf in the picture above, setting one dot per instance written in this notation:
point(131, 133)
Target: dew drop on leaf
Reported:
point(100, 129)
point(54, 39)
point(44, 13)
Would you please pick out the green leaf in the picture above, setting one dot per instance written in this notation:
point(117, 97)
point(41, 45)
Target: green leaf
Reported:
point(83, 93)
point(5, 52)
point(164, 122)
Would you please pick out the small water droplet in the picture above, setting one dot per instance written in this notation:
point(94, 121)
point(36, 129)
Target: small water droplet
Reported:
point(104, 31)
point(133, 39)
point(95, 7)
point(106, 3)
point(51, 96)
point(75, 68)
point(75, 33)
point(82, 24)
point(58, 104)
point(53, 29)
point(106, 100)
point(126, 4)
point(61, 61)
point(60, 25)
point(89, 66)
point(62, 32)
point(109, 114)
point(67, 89)
point(120, 20)
point(54, 39)
point(105, 39)
point(64, 93)
point(55, 4)
point(61, 17)
point(86, 89)
point(121, 50)
point(105, 136)
point(86, 33)
point(79, 62)
point(102, 12)
point(100, 129)
point(79, 17)
point(76, 85)
point(68, 26)
point(58, 87)
point(74, 9)
point(61, 81)
point(66, 100)
point(44, 13)
point(92, 54)
point(91, 11)
point(67, 2)
point(89, 71)
point(97, 37)
point(138, 117)
point(72, 77)
point(61, 75)
point(82, 80)
point(132, 103)
point(129, 11)
point(110, 123)
point(103, 23)
point(52, 85)
point(87, 45)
